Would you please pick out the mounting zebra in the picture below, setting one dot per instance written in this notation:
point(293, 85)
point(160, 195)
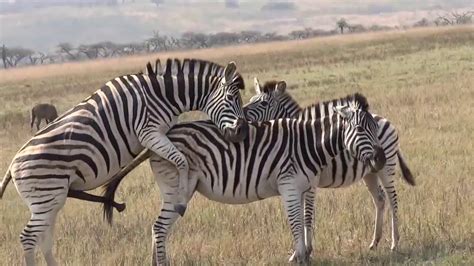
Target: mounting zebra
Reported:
point(272, 102)
point(85, 147)
point(281, 157)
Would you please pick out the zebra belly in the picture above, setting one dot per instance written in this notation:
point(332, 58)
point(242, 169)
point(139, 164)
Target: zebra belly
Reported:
point(231, 198)
point(342, 171)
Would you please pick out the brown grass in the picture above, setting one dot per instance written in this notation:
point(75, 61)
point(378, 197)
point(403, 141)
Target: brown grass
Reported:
point(422, 80)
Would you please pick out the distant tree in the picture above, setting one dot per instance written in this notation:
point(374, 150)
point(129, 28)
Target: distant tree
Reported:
point(223, 38)
point(36, 58)
point(157, 42)
point(454, 18)
point(422, 23)
point(273, 36)
point(250, 36)
point(356, 28)
point(68, 50)
point(376, 27)
point(195, 40)
point(131, 48)
point(4, 56)
point(16, 54)
point(342, 24)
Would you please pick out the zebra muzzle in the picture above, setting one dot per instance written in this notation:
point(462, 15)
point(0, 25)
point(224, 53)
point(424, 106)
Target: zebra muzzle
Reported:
point(238, 133)
point(378, 160)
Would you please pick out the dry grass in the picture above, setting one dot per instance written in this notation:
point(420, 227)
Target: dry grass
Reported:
point(423, 80)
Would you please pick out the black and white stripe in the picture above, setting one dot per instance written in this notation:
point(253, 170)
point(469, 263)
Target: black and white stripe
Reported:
point(280, 157)
point(272, 102)
point(85, 147)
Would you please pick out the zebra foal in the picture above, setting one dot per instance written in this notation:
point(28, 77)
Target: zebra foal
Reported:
point(89, 144)
point(272, 102)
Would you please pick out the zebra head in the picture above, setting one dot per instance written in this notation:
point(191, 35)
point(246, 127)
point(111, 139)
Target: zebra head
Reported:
point(224, 106)
point(360, 133)
point(271, 102)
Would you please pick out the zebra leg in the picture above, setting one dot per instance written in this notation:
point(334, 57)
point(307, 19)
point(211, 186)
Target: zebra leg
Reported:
point(160, 231)
point(161, 145)
point(309, 219)
point(389, 186)
point(38, 123)
point(293, 201)
point(33, 117)
point(378, 198)
point(47, 246)
point(166, 177)
point(39, 230)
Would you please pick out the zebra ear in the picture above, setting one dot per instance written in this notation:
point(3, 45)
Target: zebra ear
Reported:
point(281, 86)
point(343, 111)
point(229, 72)
point(256, 84)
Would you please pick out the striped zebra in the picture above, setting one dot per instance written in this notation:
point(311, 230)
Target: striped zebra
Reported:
point(85, 147)
point(280, 157)
point(272, 102)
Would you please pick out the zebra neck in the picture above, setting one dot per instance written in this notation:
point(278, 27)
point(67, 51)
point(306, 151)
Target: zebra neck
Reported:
point(331, 132)
point(201, 102)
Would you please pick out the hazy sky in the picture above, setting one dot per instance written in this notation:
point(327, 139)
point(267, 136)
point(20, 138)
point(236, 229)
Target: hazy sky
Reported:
point(43, 28)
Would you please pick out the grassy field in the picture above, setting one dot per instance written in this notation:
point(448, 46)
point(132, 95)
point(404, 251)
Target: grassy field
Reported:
point(422, 80)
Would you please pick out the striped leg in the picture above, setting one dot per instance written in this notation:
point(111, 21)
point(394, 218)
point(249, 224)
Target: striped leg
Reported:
point(160, 230)
point(166, 178)
point(378, 198)
point(293, 201)
point(389, 186)
point(161, 145)
point(309, 213)
point(39, 230)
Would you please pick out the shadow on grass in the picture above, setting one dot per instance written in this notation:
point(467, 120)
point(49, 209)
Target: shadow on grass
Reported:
point(437, 252)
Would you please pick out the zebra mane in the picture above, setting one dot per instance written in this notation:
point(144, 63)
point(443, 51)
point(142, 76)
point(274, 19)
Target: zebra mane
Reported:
point(356, 101)
point(174, 66)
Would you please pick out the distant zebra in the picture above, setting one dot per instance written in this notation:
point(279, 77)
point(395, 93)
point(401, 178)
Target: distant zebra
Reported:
point(281, 157)
point(42, 111)
point(89, 144)
point(273, 102)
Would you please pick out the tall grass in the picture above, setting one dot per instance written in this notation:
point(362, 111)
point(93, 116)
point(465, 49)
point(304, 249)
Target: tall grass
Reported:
point(422, 80)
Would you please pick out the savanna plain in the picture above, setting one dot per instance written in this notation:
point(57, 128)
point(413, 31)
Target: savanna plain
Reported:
point(422, 80)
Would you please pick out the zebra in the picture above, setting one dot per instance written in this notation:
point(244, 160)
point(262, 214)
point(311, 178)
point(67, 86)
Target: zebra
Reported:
point(280, 157)
point(272, 102)
point(42, 111)
point(87, 145)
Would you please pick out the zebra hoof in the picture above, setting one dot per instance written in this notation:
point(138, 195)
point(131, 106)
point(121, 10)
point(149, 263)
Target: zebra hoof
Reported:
point(120, 206)
point(292, 257)
point(180, 209)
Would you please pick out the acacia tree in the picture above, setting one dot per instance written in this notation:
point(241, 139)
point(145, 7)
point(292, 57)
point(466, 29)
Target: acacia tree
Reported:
point(68, 50)
point(13, 56)
point(341, 24)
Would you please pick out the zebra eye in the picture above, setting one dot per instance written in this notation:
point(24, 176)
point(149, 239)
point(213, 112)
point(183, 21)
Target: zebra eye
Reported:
point(264, 103)
point(229, 97)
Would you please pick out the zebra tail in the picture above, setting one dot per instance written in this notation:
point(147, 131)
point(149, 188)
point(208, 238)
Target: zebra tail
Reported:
point(111, 187)
point(5, 181)
point(406, 173)
point(109, 195)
